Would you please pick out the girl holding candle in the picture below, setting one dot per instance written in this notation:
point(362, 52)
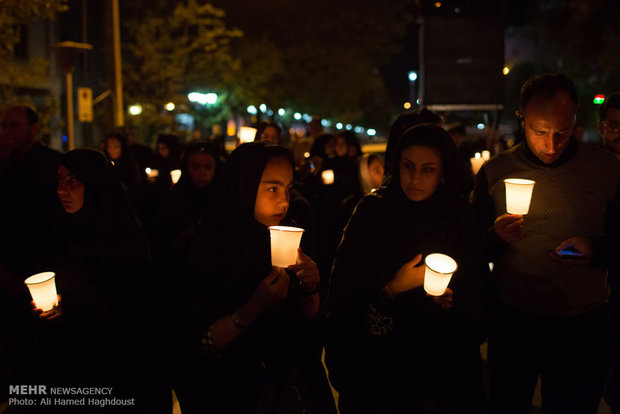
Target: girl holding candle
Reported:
point(393, 348)
point(250, 341)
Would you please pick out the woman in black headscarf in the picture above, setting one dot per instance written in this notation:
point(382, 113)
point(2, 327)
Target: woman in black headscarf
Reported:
point(101, 260)
point(250, 341)
point(392, 347)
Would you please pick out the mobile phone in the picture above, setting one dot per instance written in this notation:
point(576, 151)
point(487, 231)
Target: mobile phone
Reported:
point(568, 253)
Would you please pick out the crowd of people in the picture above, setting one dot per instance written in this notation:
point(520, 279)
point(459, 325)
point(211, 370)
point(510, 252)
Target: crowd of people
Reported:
point(167, 283)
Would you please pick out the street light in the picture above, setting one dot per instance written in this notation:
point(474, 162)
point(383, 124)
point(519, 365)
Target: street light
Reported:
point(67, 50)
point(413, 76)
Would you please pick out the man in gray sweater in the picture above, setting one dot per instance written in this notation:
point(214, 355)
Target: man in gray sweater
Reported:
point(549, 282)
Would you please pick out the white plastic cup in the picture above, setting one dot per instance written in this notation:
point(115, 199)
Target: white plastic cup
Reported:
point(175, 175)
point(476, 162)
point(284, 243)
point(42, 287)
point(439, 270)
point(327, 176)
point(518, 195)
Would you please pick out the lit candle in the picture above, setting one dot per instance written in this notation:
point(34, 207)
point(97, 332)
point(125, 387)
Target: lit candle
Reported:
point(518, 195)
point(42, 287)
point(284, 243)
point(247, 134)
point(151, 173)
point(175, 175)
point(486, 155)
point(327, 176)
point(439, 270)
point(476, 162)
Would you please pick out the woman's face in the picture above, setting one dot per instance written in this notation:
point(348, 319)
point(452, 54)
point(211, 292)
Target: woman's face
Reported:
point(201, 169)
point(341, 147)
point(375, 170)
point(113, 148)
point(273, 193)
point(163, 150)
point(70, 190)
point(270, 134)
point(420, 172)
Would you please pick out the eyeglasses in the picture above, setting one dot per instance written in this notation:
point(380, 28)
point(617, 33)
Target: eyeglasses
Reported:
point(615, 128)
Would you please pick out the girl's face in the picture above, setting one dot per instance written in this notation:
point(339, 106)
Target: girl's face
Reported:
point(113, 148)
point(70, 190)
point(420, 172)
point(375, 170)
point(201, 169)
point(341, 147)
point(273, 193)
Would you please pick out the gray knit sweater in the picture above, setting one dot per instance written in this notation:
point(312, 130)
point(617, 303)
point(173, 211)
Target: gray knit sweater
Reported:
point(570, 198)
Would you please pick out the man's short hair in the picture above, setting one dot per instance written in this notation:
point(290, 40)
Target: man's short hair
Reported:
point(546, 85)
point(31, 113)
point(611, 101)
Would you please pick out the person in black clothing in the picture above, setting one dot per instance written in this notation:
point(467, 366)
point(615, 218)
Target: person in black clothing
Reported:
point(27, 213)
point(249, 343)
point(101, 259)
point(116, 149)
point(392, 348)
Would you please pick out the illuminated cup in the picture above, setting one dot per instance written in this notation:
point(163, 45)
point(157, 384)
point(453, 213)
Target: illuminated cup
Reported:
point(247, 134)
point(518, 195)
point(486, 155)
point(151, 172)
point(439, 270)
point(42, 287)
point(476, 162)
point(175, 175)
point(284, 243)
point(327, 176)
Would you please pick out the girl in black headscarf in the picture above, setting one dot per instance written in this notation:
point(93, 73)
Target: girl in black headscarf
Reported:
point(393, 348)
point(252, 325)
point(101, 260)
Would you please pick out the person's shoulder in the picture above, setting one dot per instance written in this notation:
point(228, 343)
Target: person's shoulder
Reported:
point(599, 155)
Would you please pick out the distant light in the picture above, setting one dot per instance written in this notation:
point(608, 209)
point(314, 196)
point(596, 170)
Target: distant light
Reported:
point(169, 106)
point(147, 170)
point(306, 154)
point(326, 123)
point(599, 99)
point(339, 125)
point(418, 101)
point(307, 118)
point(202, 98)
point(359, 130)
point(135, 110)
point(211, 98)
point(480, 126)
point(407, 105)
point(263, 108)
point(297, 116)
point(371, 132)
point(506, 70)
point(437, 4)
point(348, 127)
point(252, 110)
point(413, 75)
point(65, 138)
point(457, 10)
point(270, 112)
point(281, 111)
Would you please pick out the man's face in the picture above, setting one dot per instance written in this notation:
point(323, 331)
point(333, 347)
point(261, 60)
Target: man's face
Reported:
point(548, 125)
point(610, 130)
point(16, 132)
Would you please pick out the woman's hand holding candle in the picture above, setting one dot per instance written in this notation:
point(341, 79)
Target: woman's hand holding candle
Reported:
point(444, 300)
point(53, 313)
point(408, 277)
